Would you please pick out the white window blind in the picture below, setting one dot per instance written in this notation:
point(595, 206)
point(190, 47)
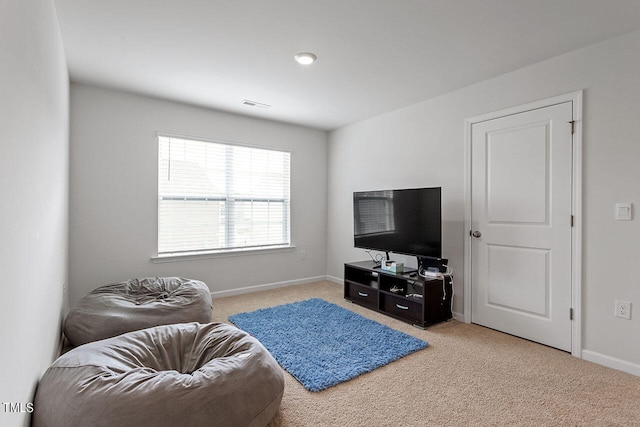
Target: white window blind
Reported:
point(215, 196)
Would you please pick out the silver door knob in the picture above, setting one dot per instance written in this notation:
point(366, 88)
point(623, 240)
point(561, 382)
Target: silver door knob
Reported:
point(476, 234)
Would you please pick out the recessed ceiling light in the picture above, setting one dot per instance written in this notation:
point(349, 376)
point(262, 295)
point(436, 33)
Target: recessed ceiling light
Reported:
point(305, 58)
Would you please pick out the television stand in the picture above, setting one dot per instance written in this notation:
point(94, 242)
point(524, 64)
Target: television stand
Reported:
point(421, 301)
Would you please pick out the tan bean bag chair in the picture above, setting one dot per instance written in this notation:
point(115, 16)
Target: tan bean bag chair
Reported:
point(136, 304)
point(174, 375)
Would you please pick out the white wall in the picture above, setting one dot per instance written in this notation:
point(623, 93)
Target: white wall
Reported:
point(113, 226)
point(34, 152)
point(423, 145)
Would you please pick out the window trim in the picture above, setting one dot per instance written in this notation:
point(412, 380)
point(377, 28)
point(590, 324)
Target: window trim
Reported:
point(225, 252)
point(219, 141)
point(222, 253)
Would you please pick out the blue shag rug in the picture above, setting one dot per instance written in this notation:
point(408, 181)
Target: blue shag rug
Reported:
point(321, 344)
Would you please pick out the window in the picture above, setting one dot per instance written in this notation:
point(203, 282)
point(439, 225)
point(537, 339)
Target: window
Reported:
point(215, 196)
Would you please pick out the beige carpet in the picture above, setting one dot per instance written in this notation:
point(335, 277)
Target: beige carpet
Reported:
point(469, 375)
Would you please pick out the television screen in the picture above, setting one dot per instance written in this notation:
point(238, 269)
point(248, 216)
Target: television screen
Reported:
point(405, 221)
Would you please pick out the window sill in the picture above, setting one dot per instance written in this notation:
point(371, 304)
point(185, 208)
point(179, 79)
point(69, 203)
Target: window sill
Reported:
point(189, 256)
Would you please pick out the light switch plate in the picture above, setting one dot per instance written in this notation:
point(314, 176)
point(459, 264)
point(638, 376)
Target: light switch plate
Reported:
point(623, 211)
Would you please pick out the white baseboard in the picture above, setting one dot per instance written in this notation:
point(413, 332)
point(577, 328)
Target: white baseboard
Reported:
point(336, 280)
point(256, 288)
point(611, 362)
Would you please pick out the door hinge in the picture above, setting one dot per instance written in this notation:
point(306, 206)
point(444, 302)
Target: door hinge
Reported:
point(571, 314)
point(573, 126)
point(571, 220)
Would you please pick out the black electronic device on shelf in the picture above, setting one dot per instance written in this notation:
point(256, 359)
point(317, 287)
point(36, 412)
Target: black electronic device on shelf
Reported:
point(404, 221)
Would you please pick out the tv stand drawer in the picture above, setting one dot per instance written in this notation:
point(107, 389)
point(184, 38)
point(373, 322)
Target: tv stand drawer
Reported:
point(402, 307)
point(363, 295)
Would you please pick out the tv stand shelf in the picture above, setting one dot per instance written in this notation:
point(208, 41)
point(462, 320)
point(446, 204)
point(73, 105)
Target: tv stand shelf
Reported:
point(408, 297)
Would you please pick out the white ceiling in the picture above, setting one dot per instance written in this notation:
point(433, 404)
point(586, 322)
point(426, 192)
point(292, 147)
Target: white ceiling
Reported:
point(374, 56)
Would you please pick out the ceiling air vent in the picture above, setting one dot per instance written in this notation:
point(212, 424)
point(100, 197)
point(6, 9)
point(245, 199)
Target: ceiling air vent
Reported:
point(250, 103)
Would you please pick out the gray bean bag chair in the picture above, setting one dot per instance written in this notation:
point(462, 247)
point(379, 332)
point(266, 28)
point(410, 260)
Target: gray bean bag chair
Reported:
point(174, 375)
point(137, 304)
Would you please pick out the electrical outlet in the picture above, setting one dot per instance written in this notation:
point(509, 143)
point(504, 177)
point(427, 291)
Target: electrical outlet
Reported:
point(303, 254)
point(623, 309)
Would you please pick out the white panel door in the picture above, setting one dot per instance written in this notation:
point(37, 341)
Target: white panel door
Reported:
point(521, 224)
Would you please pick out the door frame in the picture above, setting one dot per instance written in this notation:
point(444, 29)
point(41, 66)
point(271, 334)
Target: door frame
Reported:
point(576, 206)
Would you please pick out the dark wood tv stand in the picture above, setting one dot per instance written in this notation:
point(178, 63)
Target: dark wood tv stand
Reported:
point(408, 297)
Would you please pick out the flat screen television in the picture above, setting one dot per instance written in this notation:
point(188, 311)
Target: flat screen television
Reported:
point(407, 221)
